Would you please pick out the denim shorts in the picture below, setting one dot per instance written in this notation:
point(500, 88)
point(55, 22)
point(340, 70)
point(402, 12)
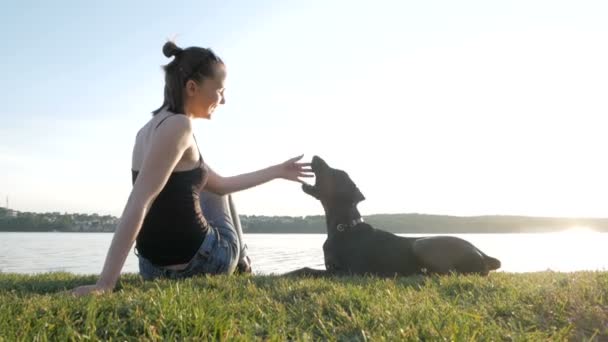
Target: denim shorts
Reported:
point(217, 255)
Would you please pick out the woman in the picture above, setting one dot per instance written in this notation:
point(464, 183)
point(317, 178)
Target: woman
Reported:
point(180, 229)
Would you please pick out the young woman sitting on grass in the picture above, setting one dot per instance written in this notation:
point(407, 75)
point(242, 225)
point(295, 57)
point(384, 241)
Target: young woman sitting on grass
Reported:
point(179, 211)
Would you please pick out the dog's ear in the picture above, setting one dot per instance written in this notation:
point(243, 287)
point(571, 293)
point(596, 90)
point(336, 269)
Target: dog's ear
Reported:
point(311, 190)
point(358, 196)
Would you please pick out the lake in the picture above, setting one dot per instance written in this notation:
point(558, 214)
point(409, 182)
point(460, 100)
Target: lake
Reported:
point(84, 253)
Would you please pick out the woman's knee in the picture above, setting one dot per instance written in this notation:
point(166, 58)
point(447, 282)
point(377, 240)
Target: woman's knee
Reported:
point(211, 199)
point(216, 211)
point(214, 205)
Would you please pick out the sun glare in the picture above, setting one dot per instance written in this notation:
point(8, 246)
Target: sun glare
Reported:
point(579, 230)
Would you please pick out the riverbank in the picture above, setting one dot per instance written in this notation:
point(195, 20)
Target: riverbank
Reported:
point(503, 306)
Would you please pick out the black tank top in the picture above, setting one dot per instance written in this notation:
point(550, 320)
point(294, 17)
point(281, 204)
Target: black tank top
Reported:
point(174, 227)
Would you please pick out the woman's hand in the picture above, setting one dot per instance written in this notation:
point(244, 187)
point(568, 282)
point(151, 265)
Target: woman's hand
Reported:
point(293, 171)
point(89, 289)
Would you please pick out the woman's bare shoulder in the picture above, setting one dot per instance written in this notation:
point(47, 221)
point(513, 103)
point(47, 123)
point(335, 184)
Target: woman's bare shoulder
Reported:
point(176, 128)
point(171, 122)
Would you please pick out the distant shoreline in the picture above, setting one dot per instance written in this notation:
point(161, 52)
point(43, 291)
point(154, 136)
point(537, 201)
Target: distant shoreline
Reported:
point(413, 223)
point(313, 233)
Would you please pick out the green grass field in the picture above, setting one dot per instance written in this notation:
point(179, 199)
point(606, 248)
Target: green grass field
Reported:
point(504, 306)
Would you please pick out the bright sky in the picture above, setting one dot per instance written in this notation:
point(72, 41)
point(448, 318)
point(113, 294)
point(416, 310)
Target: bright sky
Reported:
point(442, 107)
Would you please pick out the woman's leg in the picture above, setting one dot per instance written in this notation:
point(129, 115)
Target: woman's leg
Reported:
point(244, 264)
point(221, 213)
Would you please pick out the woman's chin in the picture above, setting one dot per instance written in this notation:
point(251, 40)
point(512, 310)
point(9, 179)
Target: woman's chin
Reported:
point(205, 116)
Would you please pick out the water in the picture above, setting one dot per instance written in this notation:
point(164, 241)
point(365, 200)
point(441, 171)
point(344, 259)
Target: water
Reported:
point(84, 253)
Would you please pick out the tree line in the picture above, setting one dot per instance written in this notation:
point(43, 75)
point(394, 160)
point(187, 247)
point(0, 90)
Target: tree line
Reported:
point(397, 223)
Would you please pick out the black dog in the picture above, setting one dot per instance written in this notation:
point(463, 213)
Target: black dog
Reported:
point(354, 247)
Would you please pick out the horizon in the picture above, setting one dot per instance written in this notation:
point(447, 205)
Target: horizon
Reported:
point(453, 109)
point(364, 215)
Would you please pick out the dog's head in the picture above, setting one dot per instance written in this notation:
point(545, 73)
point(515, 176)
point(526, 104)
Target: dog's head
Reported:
point(332, 186)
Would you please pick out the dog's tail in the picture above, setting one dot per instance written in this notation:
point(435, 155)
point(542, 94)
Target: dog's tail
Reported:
point(492, 263)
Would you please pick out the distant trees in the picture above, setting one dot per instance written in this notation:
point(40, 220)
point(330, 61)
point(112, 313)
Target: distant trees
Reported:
point(283, 224)
point(11, 220)
point(396, 223)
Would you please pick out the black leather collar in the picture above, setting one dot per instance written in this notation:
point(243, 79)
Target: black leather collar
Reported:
point(344, 226)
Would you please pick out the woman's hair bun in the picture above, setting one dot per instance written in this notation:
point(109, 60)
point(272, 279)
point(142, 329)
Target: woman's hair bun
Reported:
point(170, 49)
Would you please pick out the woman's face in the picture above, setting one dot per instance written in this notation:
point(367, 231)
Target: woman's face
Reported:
point(204, 97)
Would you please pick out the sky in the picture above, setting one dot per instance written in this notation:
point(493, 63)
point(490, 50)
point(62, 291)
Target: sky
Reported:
point(439, 107)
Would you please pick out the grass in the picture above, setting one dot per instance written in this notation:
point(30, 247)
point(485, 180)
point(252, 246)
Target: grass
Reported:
point(513, 307)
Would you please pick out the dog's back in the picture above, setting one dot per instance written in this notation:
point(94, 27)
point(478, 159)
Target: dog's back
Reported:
point(363, 249)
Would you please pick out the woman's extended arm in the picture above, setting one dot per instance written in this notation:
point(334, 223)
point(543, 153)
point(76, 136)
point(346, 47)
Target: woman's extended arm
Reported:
point(167, 147)
point(290, 170)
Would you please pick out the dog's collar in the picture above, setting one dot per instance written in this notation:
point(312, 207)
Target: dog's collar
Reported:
point(344, 226)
